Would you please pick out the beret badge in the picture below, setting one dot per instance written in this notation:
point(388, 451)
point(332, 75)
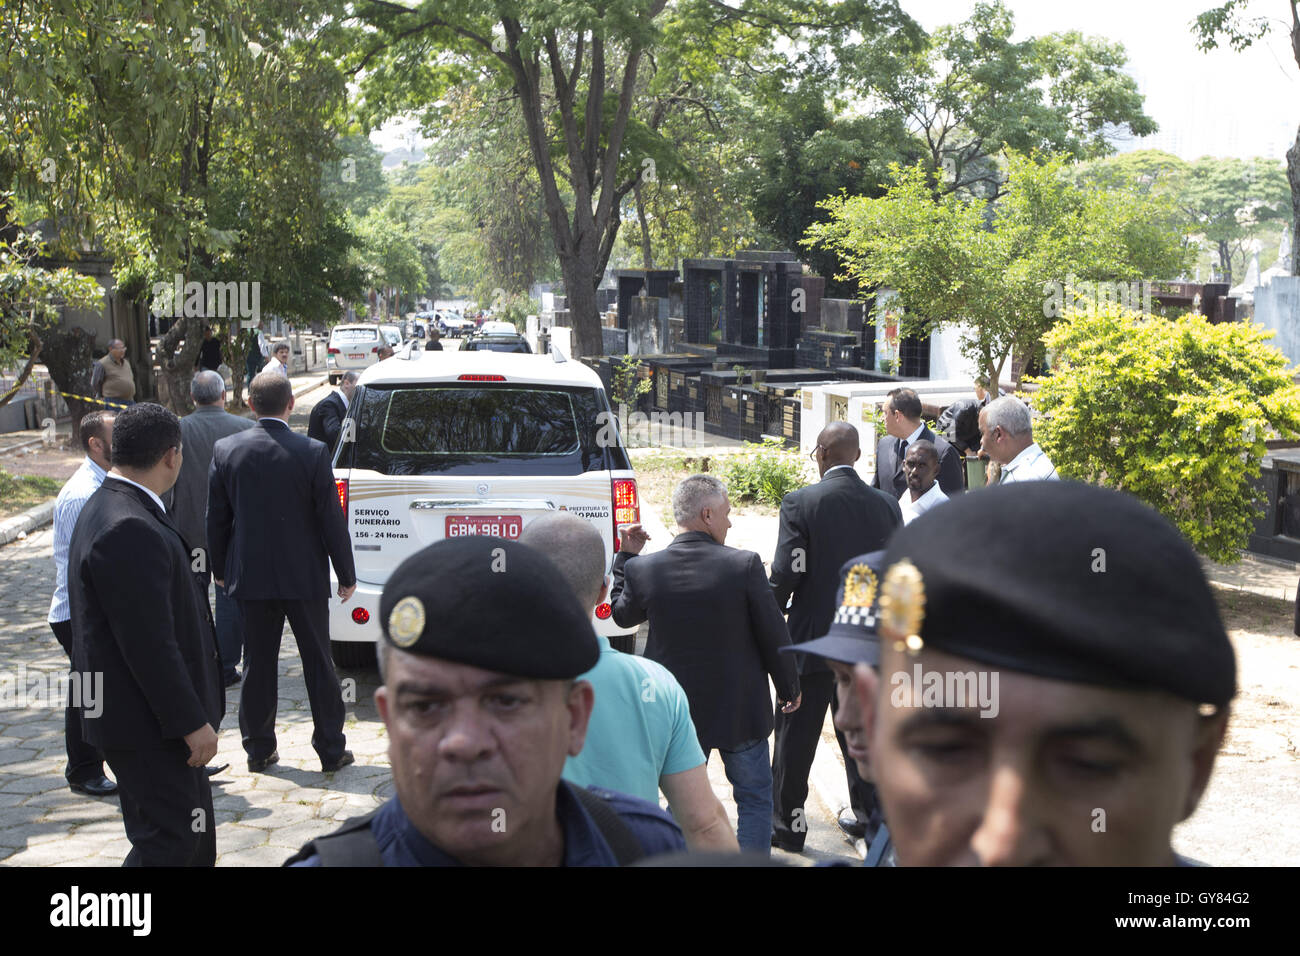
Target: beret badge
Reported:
point(406, 621)
point(902, 604)
point(859, 586)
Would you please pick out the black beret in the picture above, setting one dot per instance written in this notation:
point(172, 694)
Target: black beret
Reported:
point(490, 603)
point(852, 638)
point(1062, 580)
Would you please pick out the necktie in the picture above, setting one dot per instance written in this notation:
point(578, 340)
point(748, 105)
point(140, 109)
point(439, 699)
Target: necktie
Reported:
point(902, 449)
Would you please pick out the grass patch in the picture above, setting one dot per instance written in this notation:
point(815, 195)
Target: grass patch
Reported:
point(659, 470)
point(20, 492)
point(1255, 613)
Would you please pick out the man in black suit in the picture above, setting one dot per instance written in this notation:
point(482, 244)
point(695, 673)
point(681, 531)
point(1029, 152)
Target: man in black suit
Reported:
point(274, 523)
point(141, 625)
point(821, 527)
point(715, 625)
point(326, 422)
point(903, 426)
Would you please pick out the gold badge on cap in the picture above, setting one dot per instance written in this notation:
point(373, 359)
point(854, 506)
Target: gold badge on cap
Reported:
point(902, 605)
point(406, 621)
point(859, 587)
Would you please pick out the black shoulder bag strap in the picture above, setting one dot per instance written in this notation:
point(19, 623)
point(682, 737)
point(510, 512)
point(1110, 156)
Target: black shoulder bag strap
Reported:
point(353, 844)
point(622, 841)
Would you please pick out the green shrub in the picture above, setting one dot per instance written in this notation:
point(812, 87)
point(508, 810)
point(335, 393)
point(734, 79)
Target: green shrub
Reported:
point(1173, 411)
point(765, 472)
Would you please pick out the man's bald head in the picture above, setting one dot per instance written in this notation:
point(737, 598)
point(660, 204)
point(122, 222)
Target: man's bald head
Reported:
point(576, 548)
point(839, 443)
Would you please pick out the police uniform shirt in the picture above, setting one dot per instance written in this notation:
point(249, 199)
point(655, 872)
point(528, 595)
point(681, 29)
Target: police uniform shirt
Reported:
point(401, 844)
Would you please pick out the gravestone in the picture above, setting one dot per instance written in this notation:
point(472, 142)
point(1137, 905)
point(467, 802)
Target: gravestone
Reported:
point(1277, 307)
point(647, 326)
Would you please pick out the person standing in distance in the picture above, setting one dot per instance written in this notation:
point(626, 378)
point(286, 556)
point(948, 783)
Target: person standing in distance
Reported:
point(717, 628)
point(903, 425)
point(112, 378)
point(279, 362)
point(821, 527)
point(140, 621)
point(326, 422)
point(921, 465)
point(274, 524)
point(201, 430)
point(85, 769)
point(1007, 437)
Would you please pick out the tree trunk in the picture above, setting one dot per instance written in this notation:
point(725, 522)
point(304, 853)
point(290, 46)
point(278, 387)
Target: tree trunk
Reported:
point(646, 258)
point(1225, 261)
point(176, 367)
point(1293, 177)
point(34, 343)
point(580, 291)
point(68, 358)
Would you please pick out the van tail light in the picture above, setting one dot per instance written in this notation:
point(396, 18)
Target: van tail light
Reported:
point(480, 378)
point(332, 351)
point(604, 611)
point(627, 507)
point(342, 485)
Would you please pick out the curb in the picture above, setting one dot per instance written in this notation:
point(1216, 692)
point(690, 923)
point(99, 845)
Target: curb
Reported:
point(14, 449)
point(28, 521)
point(309, 387)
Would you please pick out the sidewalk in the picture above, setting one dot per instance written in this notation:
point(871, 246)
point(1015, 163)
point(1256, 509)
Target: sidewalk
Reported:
point(20, 525)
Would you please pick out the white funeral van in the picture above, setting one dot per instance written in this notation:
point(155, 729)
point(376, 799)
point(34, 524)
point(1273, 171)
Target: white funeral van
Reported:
point(443, 444)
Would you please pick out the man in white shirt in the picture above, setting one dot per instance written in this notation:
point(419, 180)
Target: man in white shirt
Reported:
point(921, 466)
point(1007, 435)
point(279, 363)
point(85, 769)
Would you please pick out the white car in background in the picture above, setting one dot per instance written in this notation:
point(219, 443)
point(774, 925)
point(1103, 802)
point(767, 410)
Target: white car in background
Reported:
point(352, 348)
point(446, 444)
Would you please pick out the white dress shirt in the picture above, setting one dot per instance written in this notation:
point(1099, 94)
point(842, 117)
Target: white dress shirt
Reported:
point(1032, 464)
point(85, 481)
point(914, 509)
point(276, 366)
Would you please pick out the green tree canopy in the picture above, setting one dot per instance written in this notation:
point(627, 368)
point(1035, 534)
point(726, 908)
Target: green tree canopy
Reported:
point(998, 271)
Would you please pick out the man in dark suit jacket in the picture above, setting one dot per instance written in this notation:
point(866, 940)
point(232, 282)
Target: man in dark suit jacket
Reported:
point(201, 430)
point(274, 523)
point(714, 624)
point(822, 526)
point(903, 426)
point(142, 627)
point(326, 421)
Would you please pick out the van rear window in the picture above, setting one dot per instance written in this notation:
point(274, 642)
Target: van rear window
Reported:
point(354, 335)
point(456, 428)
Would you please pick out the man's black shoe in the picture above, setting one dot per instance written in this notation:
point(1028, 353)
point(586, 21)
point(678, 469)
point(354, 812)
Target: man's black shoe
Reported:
point(99, 786)
point(233, 679)
point(339, 764)
point(258, 764)
point(785, 843)
point(852, 828)
point(213, 771)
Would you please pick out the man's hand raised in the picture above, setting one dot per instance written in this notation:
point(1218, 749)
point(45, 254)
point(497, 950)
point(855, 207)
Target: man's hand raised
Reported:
point(632, 538)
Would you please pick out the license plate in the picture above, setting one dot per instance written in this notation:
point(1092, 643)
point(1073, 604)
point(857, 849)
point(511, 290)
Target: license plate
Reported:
point(498, 526)
point(356, 355)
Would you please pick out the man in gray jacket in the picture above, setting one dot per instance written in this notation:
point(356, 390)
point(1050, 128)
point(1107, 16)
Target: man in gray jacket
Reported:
point(201, 430)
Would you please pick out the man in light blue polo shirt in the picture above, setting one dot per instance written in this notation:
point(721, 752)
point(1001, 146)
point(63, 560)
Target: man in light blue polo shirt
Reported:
point(641, 738)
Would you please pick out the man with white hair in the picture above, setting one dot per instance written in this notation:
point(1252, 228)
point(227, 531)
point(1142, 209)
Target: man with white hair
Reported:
point(1007, 435)
point(200, 431)
point(715, 624)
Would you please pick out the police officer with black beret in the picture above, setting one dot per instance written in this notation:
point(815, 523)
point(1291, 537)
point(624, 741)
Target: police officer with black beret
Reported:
point(482, 642)
point(852, 640)
point(1054, 681)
